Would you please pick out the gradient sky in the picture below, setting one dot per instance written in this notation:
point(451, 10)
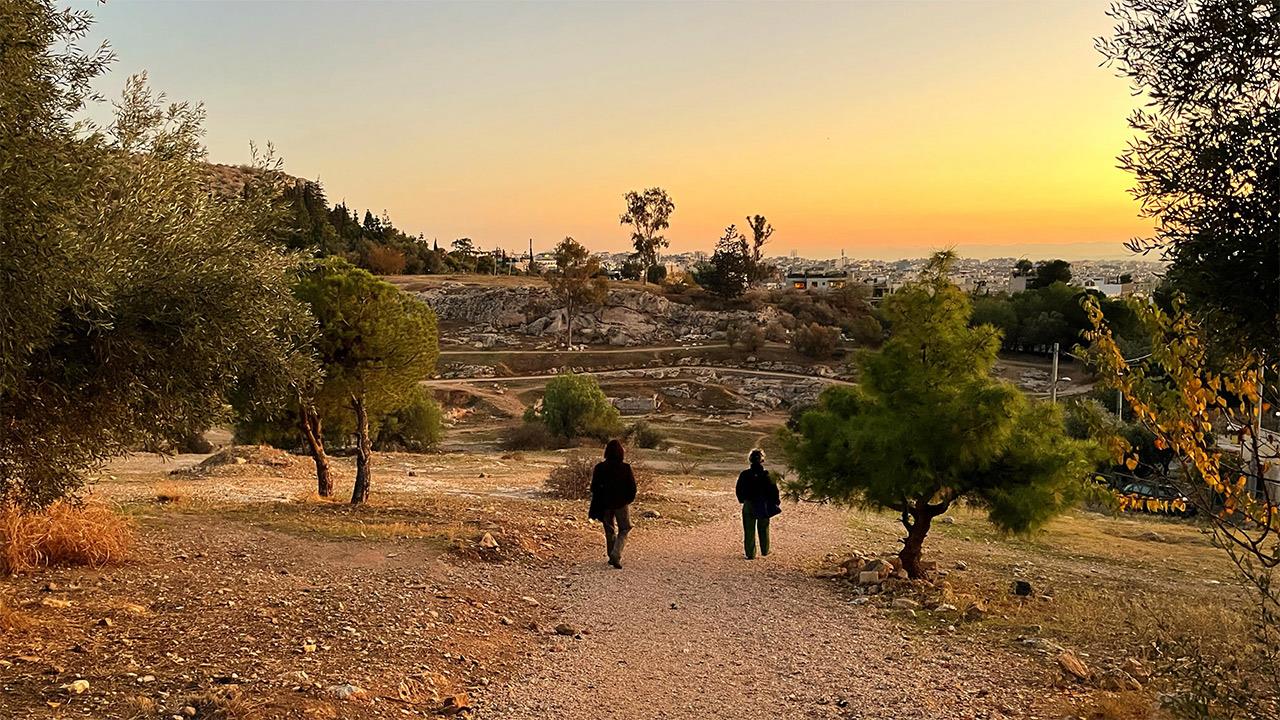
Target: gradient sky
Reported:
point(886, 129)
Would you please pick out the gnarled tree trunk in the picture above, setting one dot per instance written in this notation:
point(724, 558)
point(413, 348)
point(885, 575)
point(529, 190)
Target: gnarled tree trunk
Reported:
point(364, 449)
point(312, 426)
point(917, 519)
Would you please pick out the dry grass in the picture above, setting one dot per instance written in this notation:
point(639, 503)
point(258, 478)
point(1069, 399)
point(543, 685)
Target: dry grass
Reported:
point(572, 480)
point(170, 492)
point(65, 534)
point(12, 618)
point(1120, 706)
point(227, 704)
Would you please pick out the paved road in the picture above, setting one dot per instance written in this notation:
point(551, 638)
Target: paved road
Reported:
point(690, 630)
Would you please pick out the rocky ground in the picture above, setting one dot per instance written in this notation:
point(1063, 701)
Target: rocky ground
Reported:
point(464, 590)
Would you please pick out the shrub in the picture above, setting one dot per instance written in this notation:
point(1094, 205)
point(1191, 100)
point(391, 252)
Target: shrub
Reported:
point(530, 436)
point(816, 341)
point(416, 427)
point(866, 330)
point(745, 337)
point(574, 405)
point(384, 260)
point(62, 535)
point(642, 434)
point(572, 480)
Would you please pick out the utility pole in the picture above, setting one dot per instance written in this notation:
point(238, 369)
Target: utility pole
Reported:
point(1053, 382)
point(530, 256)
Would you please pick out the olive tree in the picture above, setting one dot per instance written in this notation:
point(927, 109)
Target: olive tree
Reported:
point(929, 427)
point(133, 297)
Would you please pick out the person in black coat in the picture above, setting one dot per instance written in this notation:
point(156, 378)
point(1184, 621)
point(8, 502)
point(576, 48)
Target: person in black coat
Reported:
point(760, 500)
point(613, 489)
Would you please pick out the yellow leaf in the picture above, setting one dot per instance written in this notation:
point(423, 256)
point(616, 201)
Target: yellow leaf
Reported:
point(1131, 463)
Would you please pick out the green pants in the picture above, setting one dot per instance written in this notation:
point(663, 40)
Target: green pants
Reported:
point(750, 526)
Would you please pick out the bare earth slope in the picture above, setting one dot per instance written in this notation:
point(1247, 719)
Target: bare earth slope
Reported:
point(690, 629)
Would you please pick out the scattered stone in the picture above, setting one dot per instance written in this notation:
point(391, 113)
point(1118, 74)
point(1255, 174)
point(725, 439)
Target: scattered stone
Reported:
point(868, 577)
point(77, 687)
point(1118, 680)
point(347, 691)
point(961, 565)
point(1151, 536)
point(947, 520)
point(566, 629)
point(905, 603)
point(651, 514)
point(506, 620)
point(456, 704)
point(488, 542)
point(308, 645)
point(529, 601)
point(1022, 588)
point(105, 622)
point(1074, 666)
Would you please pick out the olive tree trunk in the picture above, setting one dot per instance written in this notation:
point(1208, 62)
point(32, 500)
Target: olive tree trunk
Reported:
point(312, 426)
point(364, 449)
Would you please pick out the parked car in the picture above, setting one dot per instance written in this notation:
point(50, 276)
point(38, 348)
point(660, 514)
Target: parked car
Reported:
point(1160, 499)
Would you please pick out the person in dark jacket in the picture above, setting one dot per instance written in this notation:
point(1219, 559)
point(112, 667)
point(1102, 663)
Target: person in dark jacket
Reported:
point(613, 488)
point(760, 500)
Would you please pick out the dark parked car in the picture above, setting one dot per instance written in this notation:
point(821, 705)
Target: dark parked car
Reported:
point(1161, 499)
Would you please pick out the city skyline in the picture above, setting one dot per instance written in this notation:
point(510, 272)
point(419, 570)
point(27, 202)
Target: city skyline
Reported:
point(887, 130)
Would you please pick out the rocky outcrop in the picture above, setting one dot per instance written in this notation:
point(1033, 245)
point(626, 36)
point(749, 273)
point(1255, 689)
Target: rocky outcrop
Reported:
point(629, 316)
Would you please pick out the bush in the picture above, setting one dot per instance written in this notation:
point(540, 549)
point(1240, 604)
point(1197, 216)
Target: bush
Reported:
point(62, 535)
point(642, 434)
point(531, 436)
point(816, 341)
point(574, 405)
point(745, 337)
point(572, 480)
point(416, 427)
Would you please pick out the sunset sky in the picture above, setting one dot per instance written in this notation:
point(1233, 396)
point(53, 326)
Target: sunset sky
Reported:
point(886, 129)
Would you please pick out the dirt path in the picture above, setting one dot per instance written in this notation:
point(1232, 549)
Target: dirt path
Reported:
point(690, 629)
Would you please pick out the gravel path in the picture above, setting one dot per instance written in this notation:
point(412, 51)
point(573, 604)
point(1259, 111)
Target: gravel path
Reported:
point(690, 629)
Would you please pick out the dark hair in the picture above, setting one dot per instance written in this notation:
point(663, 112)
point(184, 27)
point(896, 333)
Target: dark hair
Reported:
point(756, 457)
point(613, 451)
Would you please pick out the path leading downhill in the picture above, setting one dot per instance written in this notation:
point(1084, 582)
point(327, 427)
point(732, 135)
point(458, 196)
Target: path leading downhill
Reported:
point(690, 629)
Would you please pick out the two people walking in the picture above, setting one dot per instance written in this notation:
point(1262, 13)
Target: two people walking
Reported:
point(613, 489)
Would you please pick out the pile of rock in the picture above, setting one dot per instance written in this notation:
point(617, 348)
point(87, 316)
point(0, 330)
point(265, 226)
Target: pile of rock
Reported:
point(628, 317)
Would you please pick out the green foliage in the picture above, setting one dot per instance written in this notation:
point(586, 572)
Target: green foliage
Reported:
point(730, 270)
point(644, 435)
point(929, 426)
point(415, 426)
point(816, 341)
point(1033, 320)
point(577, 280)
point(1049, 272)
point(133, 301)
point(374, 341)
point(532, 434)
point(1204, 156)
point(648, 213)
point(574, 405)
point(847, 308)
point(745, 337)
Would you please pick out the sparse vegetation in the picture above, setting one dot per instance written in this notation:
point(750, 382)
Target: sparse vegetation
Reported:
point(572, 480)
point(642, 434)
point(816, 341)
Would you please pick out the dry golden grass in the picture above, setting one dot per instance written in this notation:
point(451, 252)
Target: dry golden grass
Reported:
point(228, 704)
point(170, 492)
point(1120, 706)
point(572, 480)
point(12, 618)
point(65, 534)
